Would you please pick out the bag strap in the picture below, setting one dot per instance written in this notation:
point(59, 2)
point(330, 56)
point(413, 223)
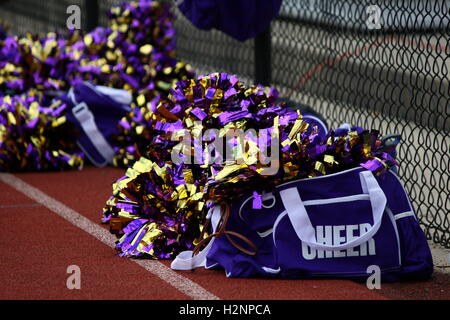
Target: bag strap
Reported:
point(305, 231)
point(218, 215)
point(120, 96)
point(86, 119)
point(186, 260)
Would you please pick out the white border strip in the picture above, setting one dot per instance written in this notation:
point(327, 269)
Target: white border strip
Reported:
point(181, 283)
point(355, 197)
point(404, 214)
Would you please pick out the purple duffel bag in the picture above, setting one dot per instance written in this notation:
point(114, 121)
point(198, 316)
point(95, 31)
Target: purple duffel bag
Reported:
point(96, 110)
point(330, 226)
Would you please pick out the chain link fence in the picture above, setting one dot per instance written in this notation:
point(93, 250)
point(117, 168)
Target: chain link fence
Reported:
point(375, 64)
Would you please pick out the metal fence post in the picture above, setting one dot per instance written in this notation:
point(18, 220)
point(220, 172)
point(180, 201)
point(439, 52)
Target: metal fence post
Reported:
point(91, 8)
point(263, 66)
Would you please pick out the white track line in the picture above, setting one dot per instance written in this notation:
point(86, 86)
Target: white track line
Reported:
point(166, 274)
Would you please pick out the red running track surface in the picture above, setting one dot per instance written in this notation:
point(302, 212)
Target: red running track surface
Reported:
point(37, 246)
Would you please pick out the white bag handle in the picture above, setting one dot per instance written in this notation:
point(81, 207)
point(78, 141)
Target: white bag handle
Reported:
point(86, 119)
point(118, 95)
point(302, 225)
point(184, 260)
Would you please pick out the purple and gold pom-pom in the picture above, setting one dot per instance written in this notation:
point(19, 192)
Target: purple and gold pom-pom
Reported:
point(158, 208)
point(135, 52)
point(33, 137)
